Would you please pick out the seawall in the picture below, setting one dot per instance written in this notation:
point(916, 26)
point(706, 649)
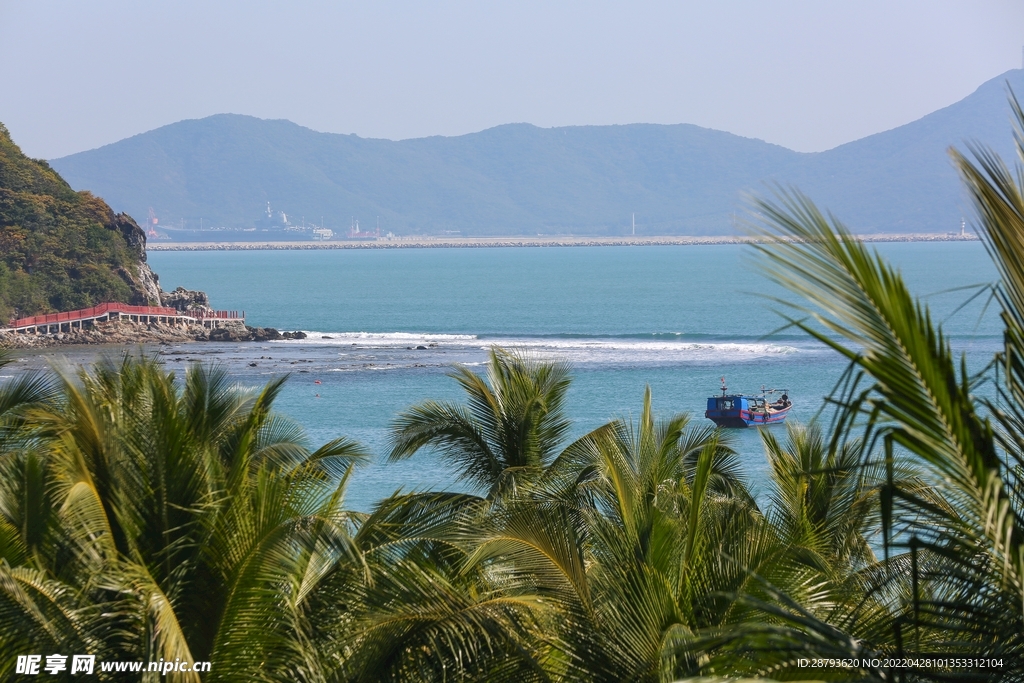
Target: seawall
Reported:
point(537, 241)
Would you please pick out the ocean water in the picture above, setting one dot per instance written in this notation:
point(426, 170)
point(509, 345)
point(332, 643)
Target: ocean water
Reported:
point(675, 318)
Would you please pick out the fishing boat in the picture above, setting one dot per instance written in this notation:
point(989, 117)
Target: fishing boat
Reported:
point(740, 410)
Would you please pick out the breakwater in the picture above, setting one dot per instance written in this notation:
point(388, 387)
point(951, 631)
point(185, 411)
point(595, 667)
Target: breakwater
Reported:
point(538, 241)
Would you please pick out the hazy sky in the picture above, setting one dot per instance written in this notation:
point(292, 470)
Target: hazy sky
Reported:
point(807, 75)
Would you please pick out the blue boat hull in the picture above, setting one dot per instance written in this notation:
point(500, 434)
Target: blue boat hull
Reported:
point(738, 411)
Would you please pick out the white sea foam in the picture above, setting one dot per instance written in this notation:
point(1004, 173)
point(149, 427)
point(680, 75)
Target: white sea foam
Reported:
point(575, 349)
point(631, 350)
point(619, 344)
point(379, 339)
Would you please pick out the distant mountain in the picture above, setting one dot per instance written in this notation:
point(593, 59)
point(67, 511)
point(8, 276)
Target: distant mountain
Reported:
point(61, 249)
point(902, 180)
point(520, 179)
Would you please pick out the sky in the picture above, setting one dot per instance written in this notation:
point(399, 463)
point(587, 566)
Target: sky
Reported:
point(808, 75)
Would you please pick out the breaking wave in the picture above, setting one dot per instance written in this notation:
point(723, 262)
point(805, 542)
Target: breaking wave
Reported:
point(644, 348)
point(380, 339)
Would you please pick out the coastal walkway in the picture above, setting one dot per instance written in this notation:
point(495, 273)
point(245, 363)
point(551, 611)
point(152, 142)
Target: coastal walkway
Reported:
point(85, 318)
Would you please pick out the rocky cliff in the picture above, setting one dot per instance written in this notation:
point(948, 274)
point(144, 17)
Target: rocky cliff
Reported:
point(141, 278)
point(60, 249)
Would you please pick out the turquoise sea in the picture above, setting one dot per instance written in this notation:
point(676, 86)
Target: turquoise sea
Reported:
point(676, 318)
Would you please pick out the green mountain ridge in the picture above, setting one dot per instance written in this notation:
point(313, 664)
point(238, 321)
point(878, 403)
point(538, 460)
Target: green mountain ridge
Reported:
point(61, 249)
point(521, 179)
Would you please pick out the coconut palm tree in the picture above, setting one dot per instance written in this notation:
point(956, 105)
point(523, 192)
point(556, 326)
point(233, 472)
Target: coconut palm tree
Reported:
point(823, 499)
point(960, 540)
point(511, 429)
point(184, 521)
point(631, 572)
point(831, 598)
point(23, 392)
point(421, 611)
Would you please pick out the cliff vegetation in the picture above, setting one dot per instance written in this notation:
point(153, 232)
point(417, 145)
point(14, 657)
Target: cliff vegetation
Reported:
point(61, 249)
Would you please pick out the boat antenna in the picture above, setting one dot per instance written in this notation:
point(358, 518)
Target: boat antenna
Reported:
point(723, 386)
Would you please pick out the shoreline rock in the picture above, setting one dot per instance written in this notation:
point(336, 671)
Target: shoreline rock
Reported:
point(125, 332)
point(186, 300)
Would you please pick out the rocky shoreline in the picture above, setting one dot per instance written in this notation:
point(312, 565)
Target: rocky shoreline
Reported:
point(126, 333)
point(123, 330)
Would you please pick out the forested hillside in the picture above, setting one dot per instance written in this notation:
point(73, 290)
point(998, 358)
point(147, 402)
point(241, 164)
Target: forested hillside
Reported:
point(61, 249)
point(520, 179)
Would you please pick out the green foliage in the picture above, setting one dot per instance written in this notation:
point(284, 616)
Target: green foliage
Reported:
point(953, 536)
point(59, 249)
point(144, 517)
point(509, 432)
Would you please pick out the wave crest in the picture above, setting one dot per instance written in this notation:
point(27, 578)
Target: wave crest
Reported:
point(380, 339)
point(659, 348)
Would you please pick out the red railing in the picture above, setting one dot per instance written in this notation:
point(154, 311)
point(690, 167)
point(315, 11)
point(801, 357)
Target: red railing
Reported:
point(103, 309)
point(220, 315)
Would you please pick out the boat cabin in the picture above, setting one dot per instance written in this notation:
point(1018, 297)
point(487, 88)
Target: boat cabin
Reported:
point(738, 410)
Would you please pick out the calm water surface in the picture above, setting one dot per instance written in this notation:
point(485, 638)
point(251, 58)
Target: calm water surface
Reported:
point(675, 318)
